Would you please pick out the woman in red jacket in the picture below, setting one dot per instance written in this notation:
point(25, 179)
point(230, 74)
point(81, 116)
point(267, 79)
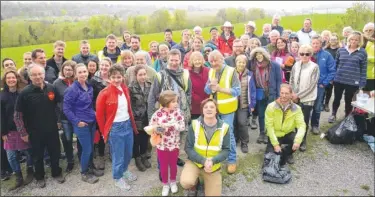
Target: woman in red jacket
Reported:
point(197, 46)
point(115, 119)
point(225, 41)
point(198, 77)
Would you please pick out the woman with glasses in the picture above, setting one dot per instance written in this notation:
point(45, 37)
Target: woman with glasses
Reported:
point(282, 56)
point(304, 81)
point(351, 63)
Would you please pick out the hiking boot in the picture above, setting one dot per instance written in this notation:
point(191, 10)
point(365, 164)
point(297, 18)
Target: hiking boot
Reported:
point(302, 148)
point(19, 181)
point(41, 183)
point(315, 130)
point(29, 176)
point(145, 161)
point(96, 172)
point(60, 179)
point(130, 176)
point(148, 155)
point(262, 138)
point(69, 167)
point(332, 119)
point(254, 124)
point(89, 178)
point(231, 168)
point(101, 163)
point(5, 175)
point(326, 108)
point(122, 184)
point(180, 162)
point(244, 148)
point(290, 159)
point(165, 191)
point(139, 164)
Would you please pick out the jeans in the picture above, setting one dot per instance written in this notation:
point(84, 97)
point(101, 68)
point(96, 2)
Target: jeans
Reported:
point(121, 140)
point(261, 110)
point(240, 125)
point(86, 138)
point(13, 160)
point(67, 139)
point(315, 117)
point(229, 118)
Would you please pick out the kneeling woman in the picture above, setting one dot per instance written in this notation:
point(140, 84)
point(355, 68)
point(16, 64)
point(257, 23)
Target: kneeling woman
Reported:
point(115, 119)
point(207, 146)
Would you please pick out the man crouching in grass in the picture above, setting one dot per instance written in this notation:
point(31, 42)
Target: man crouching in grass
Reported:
point(282, 119)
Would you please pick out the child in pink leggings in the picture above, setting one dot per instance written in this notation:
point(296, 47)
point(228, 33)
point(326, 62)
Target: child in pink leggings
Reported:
point(169, 121)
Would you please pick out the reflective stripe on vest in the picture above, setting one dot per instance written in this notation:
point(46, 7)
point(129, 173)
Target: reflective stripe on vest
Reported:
point(213, 147)
point(226, 102)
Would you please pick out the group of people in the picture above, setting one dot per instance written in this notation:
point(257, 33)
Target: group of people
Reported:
point(199, 96)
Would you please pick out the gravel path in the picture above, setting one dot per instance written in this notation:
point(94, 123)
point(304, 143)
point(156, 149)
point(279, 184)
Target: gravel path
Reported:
point(324, 170)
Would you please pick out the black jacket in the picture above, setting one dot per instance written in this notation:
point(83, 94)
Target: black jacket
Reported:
point(51, 62)
point(8, 101)
point(139, 103)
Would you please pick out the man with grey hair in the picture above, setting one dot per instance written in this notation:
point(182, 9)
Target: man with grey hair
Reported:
point(274, 35)
point(264, 39)
point(36, 121)
point(140, 58)
point(223, 85)
point(177, 79)
point(275, 24)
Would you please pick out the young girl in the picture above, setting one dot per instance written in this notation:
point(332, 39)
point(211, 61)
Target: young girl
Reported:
point(169, 121)
point(294, 47)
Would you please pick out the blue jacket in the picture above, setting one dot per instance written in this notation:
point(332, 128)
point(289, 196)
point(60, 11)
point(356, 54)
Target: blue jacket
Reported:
point(78, 104)
point(327, 67)
point(252, 90)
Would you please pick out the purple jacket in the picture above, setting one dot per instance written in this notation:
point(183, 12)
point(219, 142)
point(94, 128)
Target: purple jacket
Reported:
point(78, 104)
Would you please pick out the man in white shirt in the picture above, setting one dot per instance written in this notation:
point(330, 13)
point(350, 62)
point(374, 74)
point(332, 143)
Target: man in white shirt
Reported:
point(305, 34)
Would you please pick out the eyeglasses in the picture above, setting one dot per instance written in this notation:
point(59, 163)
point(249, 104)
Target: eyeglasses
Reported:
point(304, 54)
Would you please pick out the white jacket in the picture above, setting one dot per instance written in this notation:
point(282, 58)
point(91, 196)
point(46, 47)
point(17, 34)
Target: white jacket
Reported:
point(305, 38)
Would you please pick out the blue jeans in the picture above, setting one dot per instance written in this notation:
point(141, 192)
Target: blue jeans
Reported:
point(261, 109)
point(86, 138)
point(13, 161)
point(121, 140)
point(315, 117)
point(229, 118)
point(67, 139)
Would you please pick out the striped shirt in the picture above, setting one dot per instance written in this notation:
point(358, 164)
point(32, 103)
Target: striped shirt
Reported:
point(351, 67)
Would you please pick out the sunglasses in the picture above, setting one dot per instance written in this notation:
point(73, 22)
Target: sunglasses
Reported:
point(304, 54)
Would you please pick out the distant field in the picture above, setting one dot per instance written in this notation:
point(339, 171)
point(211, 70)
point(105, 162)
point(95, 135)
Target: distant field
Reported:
point(320, 22)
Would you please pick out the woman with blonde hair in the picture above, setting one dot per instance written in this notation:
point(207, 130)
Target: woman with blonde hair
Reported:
point(252, 44)
point(351, 62)
point(294, 47)
point(326, 35)
point(154, 52)
point(127, 59)
point(198, 77)
point(197, 46)
point(162, 62)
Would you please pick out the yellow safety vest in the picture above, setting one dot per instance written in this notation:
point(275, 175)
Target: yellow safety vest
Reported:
point(226, 102)
point(101, 56)
point(213, 147)
point(186, 76)
point(370, 49)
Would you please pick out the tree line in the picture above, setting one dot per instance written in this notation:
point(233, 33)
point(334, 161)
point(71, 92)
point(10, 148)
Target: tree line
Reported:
point(15, 32)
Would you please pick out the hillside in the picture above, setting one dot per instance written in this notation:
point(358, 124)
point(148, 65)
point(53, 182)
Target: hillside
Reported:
point(320, 22)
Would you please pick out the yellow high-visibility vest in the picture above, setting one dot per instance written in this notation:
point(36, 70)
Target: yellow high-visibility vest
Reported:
point(186, 76)
point(226, 102)
point(213, 147)
point(101, 56)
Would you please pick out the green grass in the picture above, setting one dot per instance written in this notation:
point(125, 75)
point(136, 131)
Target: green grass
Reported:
point(365, 187)
point(320, 22)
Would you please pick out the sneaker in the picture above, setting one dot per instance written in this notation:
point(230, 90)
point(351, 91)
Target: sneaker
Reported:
point(60, 179)
point(315, 130)
point(262, 138)
point(6, 176)
point(89, 178)
point(302, 148)
point(174, 187)
point(122, 184)
point(332, 119)
point(41, 183)
point(254, 124)
point(165, 191)
point(326, 108)
point(244, 148)
point(130, 176)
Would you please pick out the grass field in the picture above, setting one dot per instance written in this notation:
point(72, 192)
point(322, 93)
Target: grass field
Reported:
point(320, 22)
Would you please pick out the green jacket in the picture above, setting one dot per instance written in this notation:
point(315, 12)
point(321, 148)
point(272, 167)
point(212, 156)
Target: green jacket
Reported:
point(279, 123)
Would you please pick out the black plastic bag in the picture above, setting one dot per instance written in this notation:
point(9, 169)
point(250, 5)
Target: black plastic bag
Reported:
point(345, 132)
point(272, 172)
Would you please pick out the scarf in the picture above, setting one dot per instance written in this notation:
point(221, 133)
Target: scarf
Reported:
point(262, 76)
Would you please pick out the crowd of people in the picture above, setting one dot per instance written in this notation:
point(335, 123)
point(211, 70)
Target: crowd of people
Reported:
point(196, 96)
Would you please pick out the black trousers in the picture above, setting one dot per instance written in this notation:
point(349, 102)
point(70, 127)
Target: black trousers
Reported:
point(370, 85)
point(306, 110)
point(349, 93)
point(4, 159)
point(140, 143)
point(328, 94)
point(286, 152)
point(240, 125)
point(40, 141)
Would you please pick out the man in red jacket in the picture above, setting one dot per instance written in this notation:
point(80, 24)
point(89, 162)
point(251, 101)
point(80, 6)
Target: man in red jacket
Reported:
point(225, 41)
